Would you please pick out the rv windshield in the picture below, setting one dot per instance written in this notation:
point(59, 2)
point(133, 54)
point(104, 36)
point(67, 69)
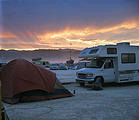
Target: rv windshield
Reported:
point(96, 63)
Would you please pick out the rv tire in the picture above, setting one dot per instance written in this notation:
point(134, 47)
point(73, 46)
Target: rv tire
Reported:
point(97, 85)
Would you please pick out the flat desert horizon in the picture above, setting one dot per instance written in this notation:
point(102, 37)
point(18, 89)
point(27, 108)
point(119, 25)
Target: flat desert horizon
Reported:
point(52, 56)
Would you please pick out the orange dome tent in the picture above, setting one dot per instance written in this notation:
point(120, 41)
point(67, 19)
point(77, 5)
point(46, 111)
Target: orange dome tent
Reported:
point(23, 81)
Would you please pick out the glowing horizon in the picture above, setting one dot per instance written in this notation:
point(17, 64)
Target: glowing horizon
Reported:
point(71, 38)
point(31, 25)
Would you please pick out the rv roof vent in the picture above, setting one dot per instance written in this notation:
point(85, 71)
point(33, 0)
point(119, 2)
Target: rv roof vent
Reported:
point(124, 43)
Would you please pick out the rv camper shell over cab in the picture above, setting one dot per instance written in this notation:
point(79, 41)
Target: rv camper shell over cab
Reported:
point(110, 63)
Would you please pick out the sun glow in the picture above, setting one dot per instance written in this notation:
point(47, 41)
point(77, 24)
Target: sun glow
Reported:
point(82, 36)
point(77, 38)
point(7, 35)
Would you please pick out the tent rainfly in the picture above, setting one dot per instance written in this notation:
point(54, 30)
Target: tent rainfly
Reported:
point(23, 81)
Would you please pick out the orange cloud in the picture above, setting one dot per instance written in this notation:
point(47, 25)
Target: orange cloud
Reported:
point(7, 35)
point(76, 38)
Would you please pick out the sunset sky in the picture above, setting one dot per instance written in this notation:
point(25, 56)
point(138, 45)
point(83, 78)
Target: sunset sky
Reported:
point(54, 24)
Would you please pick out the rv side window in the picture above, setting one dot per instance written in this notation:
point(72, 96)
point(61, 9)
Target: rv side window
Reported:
point(128, 58)
point(111, 50)
point(108, 65)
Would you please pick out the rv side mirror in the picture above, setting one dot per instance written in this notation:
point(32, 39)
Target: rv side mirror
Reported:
point(102, 69)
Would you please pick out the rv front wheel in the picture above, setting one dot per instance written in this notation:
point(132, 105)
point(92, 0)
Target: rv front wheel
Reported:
point(97, 85)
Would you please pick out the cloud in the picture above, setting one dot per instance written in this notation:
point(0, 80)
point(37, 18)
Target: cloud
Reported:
point(55, 15)
point(57, 23)
point(7, 35)
point(77, 39)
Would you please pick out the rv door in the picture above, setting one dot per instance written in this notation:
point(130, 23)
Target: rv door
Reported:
point(109, 71)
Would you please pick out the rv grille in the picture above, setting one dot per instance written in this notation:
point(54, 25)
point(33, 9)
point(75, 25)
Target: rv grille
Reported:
point(82, 75)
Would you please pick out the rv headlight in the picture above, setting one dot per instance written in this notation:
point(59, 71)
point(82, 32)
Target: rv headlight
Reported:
point(90, 75)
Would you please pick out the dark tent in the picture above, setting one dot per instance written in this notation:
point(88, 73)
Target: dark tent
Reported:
point(23, 81)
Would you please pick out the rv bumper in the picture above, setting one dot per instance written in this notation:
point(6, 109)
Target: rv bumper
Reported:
point(85, 80)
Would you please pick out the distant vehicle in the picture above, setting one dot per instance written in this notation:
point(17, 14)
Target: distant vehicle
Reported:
point(80, 65)
point(63, 67)
point(110, 63)
point(54, 66)
point(2, 64)
point(41, 63)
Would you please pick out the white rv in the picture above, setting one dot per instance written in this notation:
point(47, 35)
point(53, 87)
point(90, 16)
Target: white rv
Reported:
point(110, 63)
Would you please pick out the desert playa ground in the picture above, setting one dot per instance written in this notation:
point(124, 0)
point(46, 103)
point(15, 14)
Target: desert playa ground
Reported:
point(115, 102)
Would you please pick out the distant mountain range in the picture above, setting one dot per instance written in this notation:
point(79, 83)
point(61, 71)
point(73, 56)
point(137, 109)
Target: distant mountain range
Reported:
point(53, 56)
